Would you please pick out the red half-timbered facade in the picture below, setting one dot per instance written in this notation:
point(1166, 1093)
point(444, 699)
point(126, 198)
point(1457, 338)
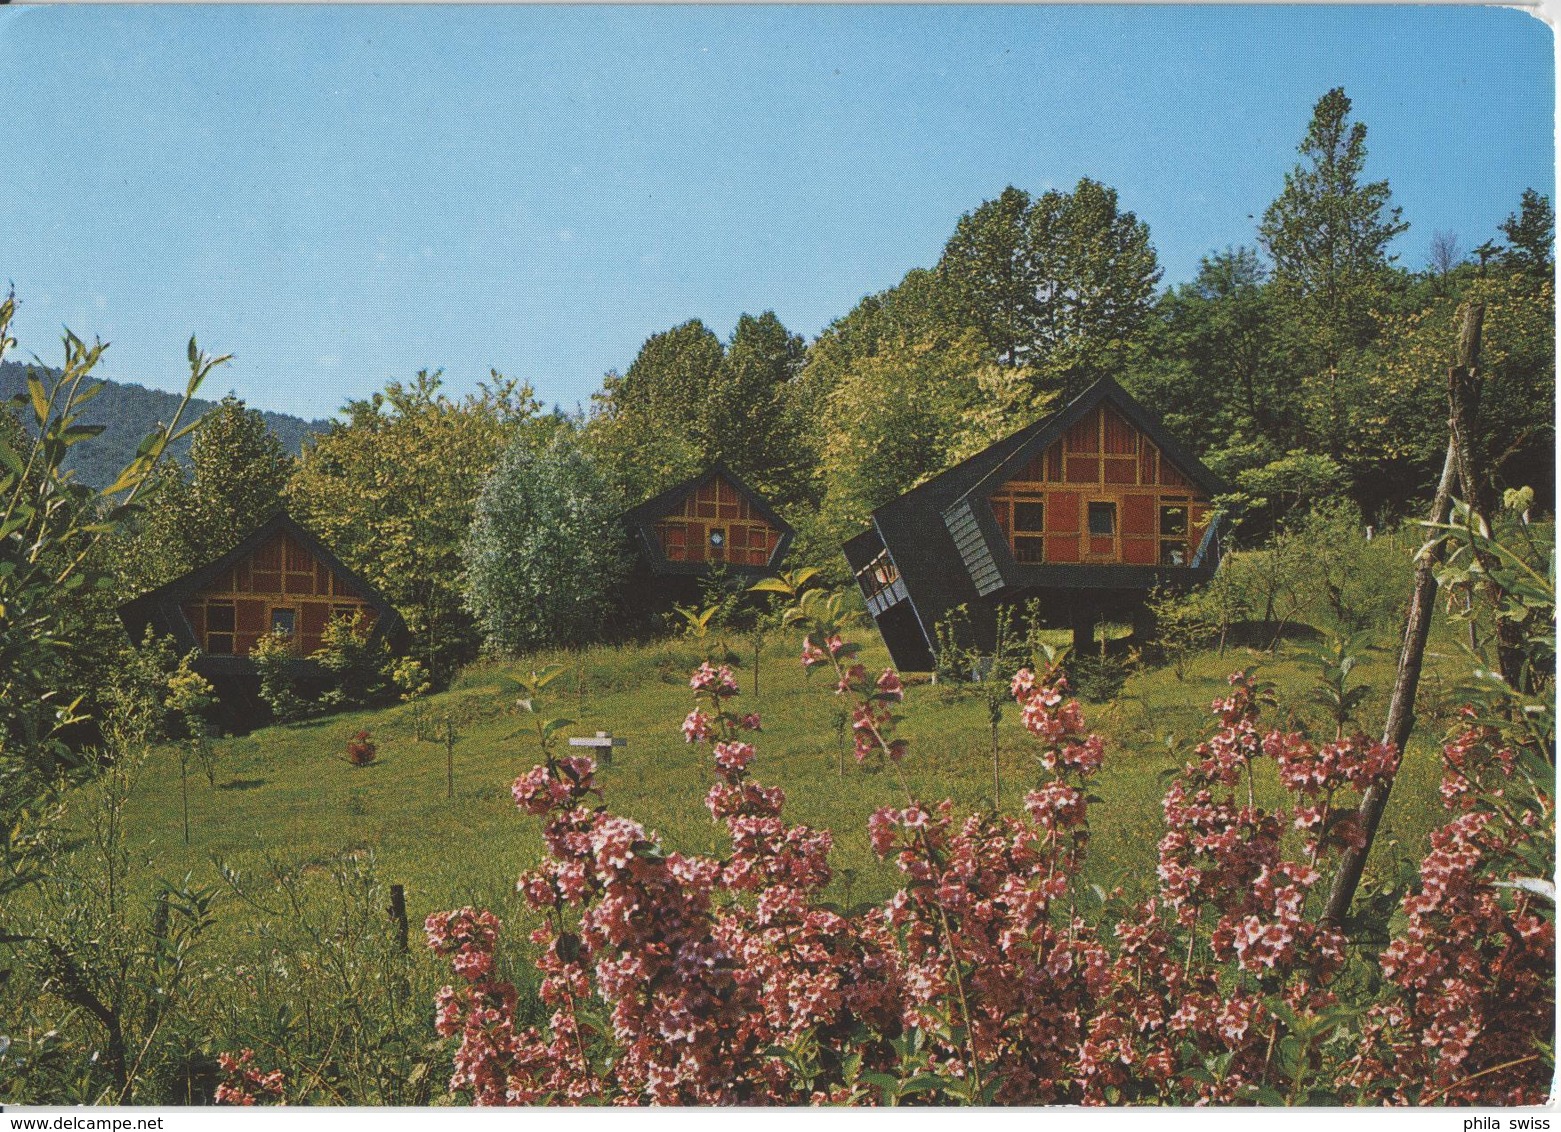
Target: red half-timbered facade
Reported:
point(280, 578)
point(281, 586)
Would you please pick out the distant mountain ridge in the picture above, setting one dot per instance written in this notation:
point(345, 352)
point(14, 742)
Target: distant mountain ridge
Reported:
point(128, 412)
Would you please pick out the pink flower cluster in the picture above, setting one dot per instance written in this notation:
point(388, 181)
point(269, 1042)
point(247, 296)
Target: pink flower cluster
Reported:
point(1474, 967)
point(1226, 950)
point(243, 1084)
point(834, 649)
point(698, 991)
point(566, 782)
point(718, 681)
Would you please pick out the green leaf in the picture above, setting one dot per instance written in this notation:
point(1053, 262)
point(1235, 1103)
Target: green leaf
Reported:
point(40, 401)
point(553, 726)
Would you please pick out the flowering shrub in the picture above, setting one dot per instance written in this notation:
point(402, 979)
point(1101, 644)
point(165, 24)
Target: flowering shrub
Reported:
point(243, 1084)
point(1219, 991)
point(361, 750)
point(1476, 957)
point(683, 979)
point(999, 971)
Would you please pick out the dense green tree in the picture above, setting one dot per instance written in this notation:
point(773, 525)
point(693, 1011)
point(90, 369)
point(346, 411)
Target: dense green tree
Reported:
point(237, 470)
point(1328, 234)
point(392, 490)
point(689, 400)
point(989, 269)
point(1401, 420)
point(1059, 283)
point(547, 553)
point(757, 433)
point(907, 413)
point(1209, 364)
point(1531, 236)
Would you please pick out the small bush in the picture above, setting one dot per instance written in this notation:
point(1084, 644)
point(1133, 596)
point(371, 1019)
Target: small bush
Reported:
point(357, 662)
point(1098, 679)
point(361, 749)
point(273, 657)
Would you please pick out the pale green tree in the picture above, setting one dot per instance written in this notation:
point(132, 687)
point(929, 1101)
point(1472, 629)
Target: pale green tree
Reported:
point(547, 554)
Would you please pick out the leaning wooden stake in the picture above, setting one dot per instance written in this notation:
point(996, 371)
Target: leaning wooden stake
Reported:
point(449, 758)
point(398, 914)
point(1417, 628)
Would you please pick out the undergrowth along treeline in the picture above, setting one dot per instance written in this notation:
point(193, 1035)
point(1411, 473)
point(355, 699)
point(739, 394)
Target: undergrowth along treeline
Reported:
point(679, 979)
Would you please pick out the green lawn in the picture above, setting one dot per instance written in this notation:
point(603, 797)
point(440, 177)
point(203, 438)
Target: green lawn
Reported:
point(289, 791)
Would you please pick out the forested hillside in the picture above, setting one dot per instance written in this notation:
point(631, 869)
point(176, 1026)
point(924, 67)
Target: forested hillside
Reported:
point(128, 412)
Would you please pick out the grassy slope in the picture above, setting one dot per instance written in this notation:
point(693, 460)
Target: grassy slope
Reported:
point(288, 790)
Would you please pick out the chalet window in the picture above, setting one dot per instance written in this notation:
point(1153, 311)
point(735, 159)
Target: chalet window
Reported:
point(1102, 519)
point(878, 575)
point(1028, 549)
point(219, 627)
point(1029, 522)
point(1173, 535)
point(283, 620)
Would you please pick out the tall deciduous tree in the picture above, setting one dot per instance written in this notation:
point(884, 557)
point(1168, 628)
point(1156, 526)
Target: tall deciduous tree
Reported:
point(1209, 365)
point(1059, 283)
point(1328, 234)
point(547, 553)
point(237, 471)
point(392, 490)
point(905, 414)
point(989, 268)
point(689, 400)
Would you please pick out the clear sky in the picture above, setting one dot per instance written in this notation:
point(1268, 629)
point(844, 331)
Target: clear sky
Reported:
point(342, 196)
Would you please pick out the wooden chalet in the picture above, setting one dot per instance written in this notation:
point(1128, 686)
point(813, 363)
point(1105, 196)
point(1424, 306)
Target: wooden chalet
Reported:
point(713, 520)
point(280, 577)
point(1086, 510)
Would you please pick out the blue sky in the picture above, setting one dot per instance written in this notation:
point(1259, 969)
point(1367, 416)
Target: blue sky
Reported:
point(342, 196)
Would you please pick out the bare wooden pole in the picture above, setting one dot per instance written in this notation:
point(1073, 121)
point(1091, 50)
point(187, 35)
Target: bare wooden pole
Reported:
point(398, 914)
point(1417, 623)
point(1474, 480)
point(1401, 708)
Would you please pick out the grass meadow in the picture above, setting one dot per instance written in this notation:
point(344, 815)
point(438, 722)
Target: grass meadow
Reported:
point(288, 792)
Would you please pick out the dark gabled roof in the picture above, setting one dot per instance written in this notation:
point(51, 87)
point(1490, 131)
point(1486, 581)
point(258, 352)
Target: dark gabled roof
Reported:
point(641, 521)
point(911, 528)
point(160, 607)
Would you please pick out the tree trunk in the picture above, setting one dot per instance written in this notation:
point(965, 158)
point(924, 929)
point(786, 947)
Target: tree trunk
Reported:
point(997, 774)
point(1401, 707)
point(1474, 478)
point(398, 915)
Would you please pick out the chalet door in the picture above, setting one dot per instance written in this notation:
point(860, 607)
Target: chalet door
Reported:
point(717, 540)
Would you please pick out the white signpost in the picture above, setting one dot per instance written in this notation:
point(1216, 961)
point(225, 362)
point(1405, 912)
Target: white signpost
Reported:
point(603, 743)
